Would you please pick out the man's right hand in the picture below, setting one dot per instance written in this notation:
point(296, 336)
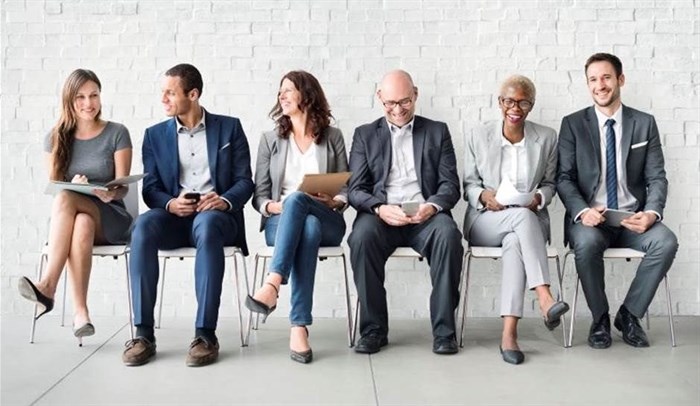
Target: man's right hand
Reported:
point(593, 216)
point(488, 199)
point(182, 207)
point(393, 215)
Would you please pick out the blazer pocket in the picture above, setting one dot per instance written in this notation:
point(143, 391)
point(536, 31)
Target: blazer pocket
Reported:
point(639, 144)
point(228, 144)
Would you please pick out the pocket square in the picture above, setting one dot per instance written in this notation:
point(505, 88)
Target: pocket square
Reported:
point(639, 144)
point(228, 144)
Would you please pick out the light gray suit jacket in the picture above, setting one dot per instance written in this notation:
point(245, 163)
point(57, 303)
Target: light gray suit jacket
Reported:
point(272, 159)
point(482, 167)
point(579, 169)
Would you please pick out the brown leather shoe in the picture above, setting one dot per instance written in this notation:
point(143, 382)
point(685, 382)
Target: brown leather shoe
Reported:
point(202, 352)
point(138, 352)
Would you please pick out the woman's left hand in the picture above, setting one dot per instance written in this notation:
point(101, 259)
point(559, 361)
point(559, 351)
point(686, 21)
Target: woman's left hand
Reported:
point(327, 200)
point(107, 195)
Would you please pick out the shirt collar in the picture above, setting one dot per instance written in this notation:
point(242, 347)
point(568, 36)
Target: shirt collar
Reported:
point(602, 118)
point(407, 128)
point(197, 128)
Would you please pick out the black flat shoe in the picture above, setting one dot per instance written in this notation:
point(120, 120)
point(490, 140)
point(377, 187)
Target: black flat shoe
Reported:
point(257, 306)
point(28, 291)
point(553, 319)
point(303, 357)
point(514, 357)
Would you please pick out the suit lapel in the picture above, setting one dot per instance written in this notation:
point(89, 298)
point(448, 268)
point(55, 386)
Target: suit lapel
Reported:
point(594, 135)
point(627, 133)
point(494, 153)
point(384, 137)
point(532, 145)
point(213, 130)
point(278, 162)
point(418, 144)
point(171, 144)
point(323, 153)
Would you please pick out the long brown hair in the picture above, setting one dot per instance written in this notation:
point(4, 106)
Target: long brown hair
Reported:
point(63, 132)
point(313, 102)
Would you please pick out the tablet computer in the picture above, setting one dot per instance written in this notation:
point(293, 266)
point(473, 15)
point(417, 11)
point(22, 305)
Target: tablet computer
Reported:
point(328, 183)
point(614, 217)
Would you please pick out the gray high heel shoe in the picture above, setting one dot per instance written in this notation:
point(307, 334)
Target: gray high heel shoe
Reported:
point(85, 330)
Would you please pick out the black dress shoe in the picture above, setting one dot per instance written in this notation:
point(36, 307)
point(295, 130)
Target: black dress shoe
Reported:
point(303, 357)
point(599, 336)
point(514, 357)
point(30, 292)
point(371, 343)
point(445, 345)
point(553, 319)
point(632, 332)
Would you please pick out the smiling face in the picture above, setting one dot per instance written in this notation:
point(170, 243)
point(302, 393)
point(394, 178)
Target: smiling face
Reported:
point(175, 101)
point(604, 85)
point(398, 97)
point(289, 98)
point(517, 98)
point(87, 103)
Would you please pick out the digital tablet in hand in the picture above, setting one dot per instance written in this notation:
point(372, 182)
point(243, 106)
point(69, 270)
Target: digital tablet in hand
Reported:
point(326, 183)
point(614, 217)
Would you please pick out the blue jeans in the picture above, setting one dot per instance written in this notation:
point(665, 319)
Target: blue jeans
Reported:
point(297, 233)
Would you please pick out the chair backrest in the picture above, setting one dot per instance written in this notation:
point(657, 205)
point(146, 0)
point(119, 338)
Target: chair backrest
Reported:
point(131, 201)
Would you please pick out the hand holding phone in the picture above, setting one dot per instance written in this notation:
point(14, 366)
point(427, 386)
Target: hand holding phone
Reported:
point(410, 208)
point(193, 196)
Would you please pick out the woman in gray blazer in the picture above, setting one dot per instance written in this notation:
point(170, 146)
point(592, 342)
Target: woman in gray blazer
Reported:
point(519, 154)
point(295, 223)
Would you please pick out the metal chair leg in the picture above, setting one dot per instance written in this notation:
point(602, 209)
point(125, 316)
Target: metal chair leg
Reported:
point(351, 341)
point(42, 261)
point(238, 294)
point(560, 296)
point(128, 294)
point(63, 306)
point(162, 289)
point(670, 313)
point(465, 299)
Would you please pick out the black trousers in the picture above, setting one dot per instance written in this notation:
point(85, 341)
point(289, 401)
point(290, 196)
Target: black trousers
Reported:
point(438, 240)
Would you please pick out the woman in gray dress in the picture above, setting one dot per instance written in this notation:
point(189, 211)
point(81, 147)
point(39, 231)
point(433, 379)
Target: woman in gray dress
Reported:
point(80, 148)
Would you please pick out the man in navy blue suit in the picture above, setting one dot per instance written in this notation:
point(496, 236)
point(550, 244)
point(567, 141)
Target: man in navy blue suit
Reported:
point(198, 180)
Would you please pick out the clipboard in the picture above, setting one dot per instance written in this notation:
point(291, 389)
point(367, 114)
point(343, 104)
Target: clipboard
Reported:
point(56, 186)
point(328, 183)
point(614, 217)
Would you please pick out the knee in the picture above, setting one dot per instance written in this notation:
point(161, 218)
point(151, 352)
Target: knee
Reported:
point(145, 228)
point(511, 241)
point(84, 230)
point(64, 200)
point(586, 244)
point(312, 230)
point(666, 246)
point(208, 229)
point(296, 198)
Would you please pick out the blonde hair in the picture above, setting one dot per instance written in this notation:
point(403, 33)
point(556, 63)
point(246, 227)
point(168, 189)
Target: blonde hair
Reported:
point(520, 82)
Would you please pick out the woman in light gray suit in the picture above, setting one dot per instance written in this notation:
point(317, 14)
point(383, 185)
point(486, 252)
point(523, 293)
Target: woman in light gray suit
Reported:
point(295, 223)
point(523, 154)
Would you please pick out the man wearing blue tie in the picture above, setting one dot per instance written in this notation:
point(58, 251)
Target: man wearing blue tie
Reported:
point(610, 157)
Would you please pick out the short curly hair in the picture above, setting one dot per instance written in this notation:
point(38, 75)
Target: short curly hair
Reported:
point(520, 82)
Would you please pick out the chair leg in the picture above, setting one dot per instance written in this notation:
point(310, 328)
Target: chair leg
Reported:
point(128, 296)
point(42, 261)
point(560, 296)
point(63, 306)
point(356, 320)
point(573, 304)
point(351, 342)
point(262, 282)
point(250, 313)
point(465, 298)
point(162, 289)
point(238, 293)
point(670, 313)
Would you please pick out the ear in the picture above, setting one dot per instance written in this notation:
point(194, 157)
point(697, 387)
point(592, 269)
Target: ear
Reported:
point(193, 94)
point(621, 80)
point(415, 91)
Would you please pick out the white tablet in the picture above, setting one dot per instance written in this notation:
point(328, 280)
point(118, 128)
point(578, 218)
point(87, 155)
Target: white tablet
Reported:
point(614, 217)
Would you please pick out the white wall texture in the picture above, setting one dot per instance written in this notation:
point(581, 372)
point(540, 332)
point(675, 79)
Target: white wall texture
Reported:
point(457, 51)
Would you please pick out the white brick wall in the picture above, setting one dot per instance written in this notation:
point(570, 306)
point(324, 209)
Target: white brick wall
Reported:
point(458, 51)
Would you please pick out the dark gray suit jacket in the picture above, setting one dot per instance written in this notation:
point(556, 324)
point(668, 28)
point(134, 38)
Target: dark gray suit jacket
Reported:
point(434, 155)
point(272, 158)
point(579, 170)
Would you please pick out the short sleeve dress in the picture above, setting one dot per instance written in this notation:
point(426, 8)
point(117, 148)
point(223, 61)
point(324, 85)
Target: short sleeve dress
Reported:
point(94, 158)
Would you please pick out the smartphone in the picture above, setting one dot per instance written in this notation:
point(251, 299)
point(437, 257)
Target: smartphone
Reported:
point(193, 195)
point(410, 208)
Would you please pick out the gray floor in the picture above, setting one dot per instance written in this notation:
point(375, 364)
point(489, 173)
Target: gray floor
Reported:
point(55, 371)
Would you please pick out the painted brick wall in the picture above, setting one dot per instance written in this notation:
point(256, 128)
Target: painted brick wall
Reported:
point(457, 51)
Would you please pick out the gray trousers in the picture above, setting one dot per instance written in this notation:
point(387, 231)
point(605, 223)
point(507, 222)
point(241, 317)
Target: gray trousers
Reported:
point(519, 232)
point(658, 242)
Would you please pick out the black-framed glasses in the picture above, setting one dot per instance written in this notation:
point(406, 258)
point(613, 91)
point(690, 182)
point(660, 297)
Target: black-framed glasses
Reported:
point(404, 103)
point(525, 105)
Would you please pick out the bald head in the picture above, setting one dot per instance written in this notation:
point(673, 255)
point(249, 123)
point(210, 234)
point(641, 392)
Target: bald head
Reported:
point(398, 95)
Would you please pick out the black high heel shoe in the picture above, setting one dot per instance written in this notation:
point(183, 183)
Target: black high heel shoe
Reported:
point(28, 291)
point(553, 319)
point(303, 357)
point(257, 306)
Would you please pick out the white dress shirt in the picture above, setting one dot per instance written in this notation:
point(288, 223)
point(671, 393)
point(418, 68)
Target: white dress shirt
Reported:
point(402, 182)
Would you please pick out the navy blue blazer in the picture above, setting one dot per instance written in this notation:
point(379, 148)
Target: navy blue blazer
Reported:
point(229, 164)
point(434, 156)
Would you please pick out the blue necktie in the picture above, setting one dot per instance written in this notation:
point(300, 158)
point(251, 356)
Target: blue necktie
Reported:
point(611, 166)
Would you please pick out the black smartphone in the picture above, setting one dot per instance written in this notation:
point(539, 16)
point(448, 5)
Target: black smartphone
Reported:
point(193, 195)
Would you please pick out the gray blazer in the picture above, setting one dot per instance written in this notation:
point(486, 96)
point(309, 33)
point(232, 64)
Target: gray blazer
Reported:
point(272, 159)
point(370, 162)
point(579, 169)
point(482, 167)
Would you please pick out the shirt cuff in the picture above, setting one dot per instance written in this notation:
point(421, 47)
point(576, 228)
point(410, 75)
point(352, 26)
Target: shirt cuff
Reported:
point(541, 205)
point(230, 206)
point(578, 216)
point(438, 208)
point(658, 216)
point(168, 204)
point(263, 208)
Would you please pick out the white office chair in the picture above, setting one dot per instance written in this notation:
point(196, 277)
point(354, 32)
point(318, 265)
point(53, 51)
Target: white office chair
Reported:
point(497, 253)
point(400, 252)
point(131, 201)
point(627, 254)
point(190, 252)
point(324, 253)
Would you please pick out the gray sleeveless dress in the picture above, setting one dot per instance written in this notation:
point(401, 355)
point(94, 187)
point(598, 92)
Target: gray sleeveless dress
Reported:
point(94, 158)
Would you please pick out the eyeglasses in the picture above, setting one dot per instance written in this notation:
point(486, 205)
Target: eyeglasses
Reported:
point(404, 103)
point(525, 105)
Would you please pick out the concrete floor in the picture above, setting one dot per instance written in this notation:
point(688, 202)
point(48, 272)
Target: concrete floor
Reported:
point(55, 371)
